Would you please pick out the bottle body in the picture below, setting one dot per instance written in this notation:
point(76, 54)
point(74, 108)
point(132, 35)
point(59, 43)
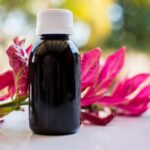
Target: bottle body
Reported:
point(54, 76)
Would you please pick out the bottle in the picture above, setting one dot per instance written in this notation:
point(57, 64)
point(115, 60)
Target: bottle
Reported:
point(54, 76)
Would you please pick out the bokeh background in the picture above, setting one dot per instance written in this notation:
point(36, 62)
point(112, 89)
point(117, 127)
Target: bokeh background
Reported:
point(108, 24)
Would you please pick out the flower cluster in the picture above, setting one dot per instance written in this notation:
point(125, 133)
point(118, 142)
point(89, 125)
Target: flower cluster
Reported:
point(103, 95)
point(14, 83)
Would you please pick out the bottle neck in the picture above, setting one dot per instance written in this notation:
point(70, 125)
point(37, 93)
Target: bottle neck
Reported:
point(54, 36)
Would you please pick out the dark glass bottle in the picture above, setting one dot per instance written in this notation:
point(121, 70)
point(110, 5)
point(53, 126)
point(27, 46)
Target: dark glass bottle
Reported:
point(54, 71)
point(54, 77)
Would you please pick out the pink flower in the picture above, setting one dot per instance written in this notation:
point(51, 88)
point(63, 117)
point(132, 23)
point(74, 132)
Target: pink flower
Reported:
point(105, 75)
point(97, 84)
point(18, 59)
point(15, 81)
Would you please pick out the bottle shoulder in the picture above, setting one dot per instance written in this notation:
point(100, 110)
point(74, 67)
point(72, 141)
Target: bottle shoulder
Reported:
point(46, 46)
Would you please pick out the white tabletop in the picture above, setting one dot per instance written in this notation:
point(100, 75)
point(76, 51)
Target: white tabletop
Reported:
point(122, 133)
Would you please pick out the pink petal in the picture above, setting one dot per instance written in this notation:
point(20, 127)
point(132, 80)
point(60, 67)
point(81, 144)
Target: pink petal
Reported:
point(22, 42)
point(138, 105)
point(18, 61)
point(144, 93)
point(127, 86)
point(111, 100)
point(4, 97)
point(28, 50)
point(87, 101)
point(6, 79)
point(18, 42)
point(89, 67)
point(95, 119)
point(131, 110)
point(112, 67)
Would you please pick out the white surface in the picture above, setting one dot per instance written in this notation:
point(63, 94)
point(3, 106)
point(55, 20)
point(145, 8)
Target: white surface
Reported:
point(122, 134)
point(54, 21)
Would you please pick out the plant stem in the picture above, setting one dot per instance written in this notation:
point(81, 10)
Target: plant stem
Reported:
point(18, 101)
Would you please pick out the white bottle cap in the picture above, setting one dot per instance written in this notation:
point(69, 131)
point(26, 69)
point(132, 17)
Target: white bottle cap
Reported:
point(54, 21)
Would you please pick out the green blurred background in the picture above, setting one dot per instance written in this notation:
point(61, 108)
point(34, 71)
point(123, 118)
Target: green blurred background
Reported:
point(108, 24)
